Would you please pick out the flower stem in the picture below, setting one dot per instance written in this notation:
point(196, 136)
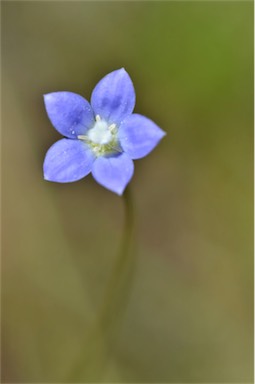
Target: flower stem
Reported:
point(122, 267)
point(97, 344)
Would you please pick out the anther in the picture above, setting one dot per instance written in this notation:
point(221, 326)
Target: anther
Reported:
point(83, 137)
point(112, 127)
point(98, 118)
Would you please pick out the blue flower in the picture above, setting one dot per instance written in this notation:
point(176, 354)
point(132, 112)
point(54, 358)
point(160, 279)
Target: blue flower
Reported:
point(103, 137)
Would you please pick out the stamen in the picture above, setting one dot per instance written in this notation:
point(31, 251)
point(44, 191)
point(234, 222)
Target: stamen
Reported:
point(98, 118)
point(114, 148)
point(112, 127)
point(83, 137)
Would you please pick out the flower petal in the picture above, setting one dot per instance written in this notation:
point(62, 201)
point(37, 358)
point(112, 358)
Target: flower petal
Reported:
point(69, 113)
point(139, 135)
point(113, 98)
point(114, 172)
point(67, 160)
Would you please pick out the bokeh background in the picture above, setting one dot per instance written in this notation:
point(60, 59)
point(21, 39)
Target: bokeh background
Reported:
point(186, 313)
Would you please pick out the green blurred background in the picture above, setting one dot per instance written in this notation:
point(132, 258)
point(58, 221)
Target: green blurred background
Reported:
point(188, 314)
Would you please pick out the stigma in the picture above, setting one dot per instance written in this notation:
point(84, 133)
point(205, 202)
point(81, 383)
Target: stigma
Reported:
point(101, 133)
point(102, 137)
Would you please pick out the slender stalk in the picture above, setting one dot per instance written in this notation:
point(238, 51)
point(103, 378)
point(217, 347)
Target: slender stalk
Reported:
point(115, 297)
point(121, 268)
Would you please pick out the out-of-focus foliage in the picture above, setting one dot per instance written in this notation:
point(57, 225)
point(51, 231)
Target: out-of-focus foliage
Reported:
point(189, 314)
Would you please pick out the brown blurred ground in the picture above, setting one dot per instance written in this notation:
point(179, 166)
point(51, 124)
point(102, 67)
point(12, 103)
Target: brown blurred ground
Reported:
point(189, 316)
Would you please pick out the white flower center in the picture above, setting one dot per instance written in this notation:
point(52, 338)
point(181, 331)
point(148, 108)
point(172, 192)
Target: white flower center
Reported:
point(100, 133)
point(102, 138)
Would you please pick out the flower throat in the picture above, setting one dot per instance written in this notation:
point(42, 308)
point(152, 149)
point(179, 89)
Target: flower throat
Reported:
point(102, 138)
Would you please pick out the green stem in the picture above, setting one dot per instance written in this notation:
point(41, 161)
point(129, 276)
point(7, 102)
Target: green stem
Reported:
point(117, 278)
point(115, 296)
